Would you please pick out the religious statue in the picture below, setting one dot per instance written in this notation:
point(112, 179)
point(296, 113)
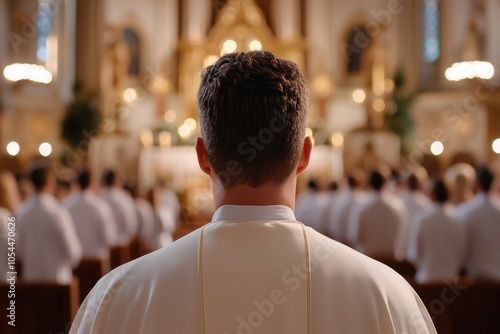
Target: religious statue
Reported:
point(118, 58)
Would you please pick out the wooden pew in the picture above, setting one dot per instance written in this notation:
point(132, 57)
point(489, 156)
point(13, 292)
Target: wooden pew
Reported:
point(119, 255)
point(135, 248)
point(463, 306)
point(89, 271)
point(404, 268)
point(40, 308)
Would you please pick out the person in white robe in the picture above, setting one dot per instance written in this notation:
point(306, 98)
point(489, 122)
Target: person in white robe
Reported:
point(254, 268)
point(481, 216)
point(317, 216)
point(379, 226)
point(122, 207)
point(147, 222)
point(47, 243)
point(436, 243)
point(306, 201)
point(163, 225)
point(339, 215)
point(167, 200)
point(94, 221)
point(413, 196)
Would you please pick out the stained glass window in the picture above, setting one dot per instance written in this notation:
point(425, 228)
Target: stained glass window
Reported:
point(44, 24)
point(431, 31)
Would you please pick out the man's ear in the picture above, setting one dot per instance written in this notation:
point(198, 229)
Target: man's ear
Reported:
point(306, 155)
point(201, 153)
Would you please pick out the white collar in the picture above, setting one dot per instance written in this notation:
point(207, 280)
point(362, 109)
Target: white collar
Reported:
point(260, 212)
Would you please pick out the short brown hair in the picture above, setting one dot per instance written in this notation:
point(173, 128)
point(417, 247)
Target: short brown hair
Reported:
point(253, 110)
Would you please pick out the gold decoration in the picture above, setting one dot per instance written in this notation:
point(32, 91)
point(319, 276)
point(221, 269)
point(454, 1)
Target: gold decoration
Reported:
point(240, 26)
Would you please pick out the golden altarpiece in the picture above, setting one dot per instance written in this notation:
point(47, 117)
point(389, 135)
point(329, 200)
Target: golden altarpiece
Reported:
point(240, 26)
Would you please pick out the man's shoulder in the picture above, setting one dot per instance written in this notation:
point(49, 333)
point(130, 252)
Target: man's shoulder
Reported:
point(337, 259)
point(348, 277)
point(167, 262)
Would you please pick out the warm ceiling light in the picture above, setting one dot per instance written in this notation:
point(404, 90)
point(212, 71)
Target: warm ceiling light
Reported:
point(229, 46)
point(13, 148)
point(191, 123)
point(337, 139)
point(184, 131)
point(170, 116)
point(358, 95)
point(130, 95)
point(437, 148)
point(31, 72)
point(379, 105)
point(255, 45)
point(45, 149)
point(470, 70)
point(496, 146)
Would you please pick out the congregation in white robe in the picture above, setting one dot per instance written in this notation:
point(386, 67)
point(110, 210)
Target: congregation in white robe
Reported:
point(93, 219)
point(379, 226)
point(437, 240)
point(42, 217)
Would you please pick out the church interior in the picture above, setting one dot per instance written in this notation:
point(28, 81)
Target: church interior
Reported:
point(395, 85)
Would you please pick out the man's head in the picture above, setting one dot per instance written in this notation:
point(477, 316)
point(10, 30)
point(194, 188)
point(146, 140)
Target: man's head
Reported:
point(413, 182)
point(484, 179)
point(84, 178)
point(42, 178)
point(377, 180)
point(253, 110)
point(356, 179)
point(109, 178)
point(440, 192)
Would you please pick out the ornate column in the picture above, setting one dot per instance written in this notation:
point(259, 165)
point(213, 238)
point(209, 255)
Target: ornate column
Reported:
point(287, 19)
point(89, 43)
point(195, 22)
point(166, 34)
point(318, 35)
point(66, 49)
point(195, 19)
point(492, 38)
point(287, 25)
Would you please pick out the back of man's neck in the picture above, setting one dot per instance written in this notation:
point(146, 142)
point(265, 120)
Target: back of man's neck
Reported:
point(267, 194)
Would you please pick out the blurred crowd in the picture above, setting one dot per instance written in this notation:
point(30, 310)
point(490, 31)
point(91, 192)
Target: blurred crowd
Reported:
point(58, 222)
point(445, 228)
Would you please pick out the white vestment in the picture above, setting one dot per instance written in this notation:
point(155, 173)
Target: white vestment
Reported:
point(304, 202)
point(47, 242)
point(317, 215)
point(340, 213)
point(124, 213)
point(379, 226)
point(94, 223)
point(482, 220)
point(253, 270)
point(436, 244)
point(415, 201)
point(146, 221)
